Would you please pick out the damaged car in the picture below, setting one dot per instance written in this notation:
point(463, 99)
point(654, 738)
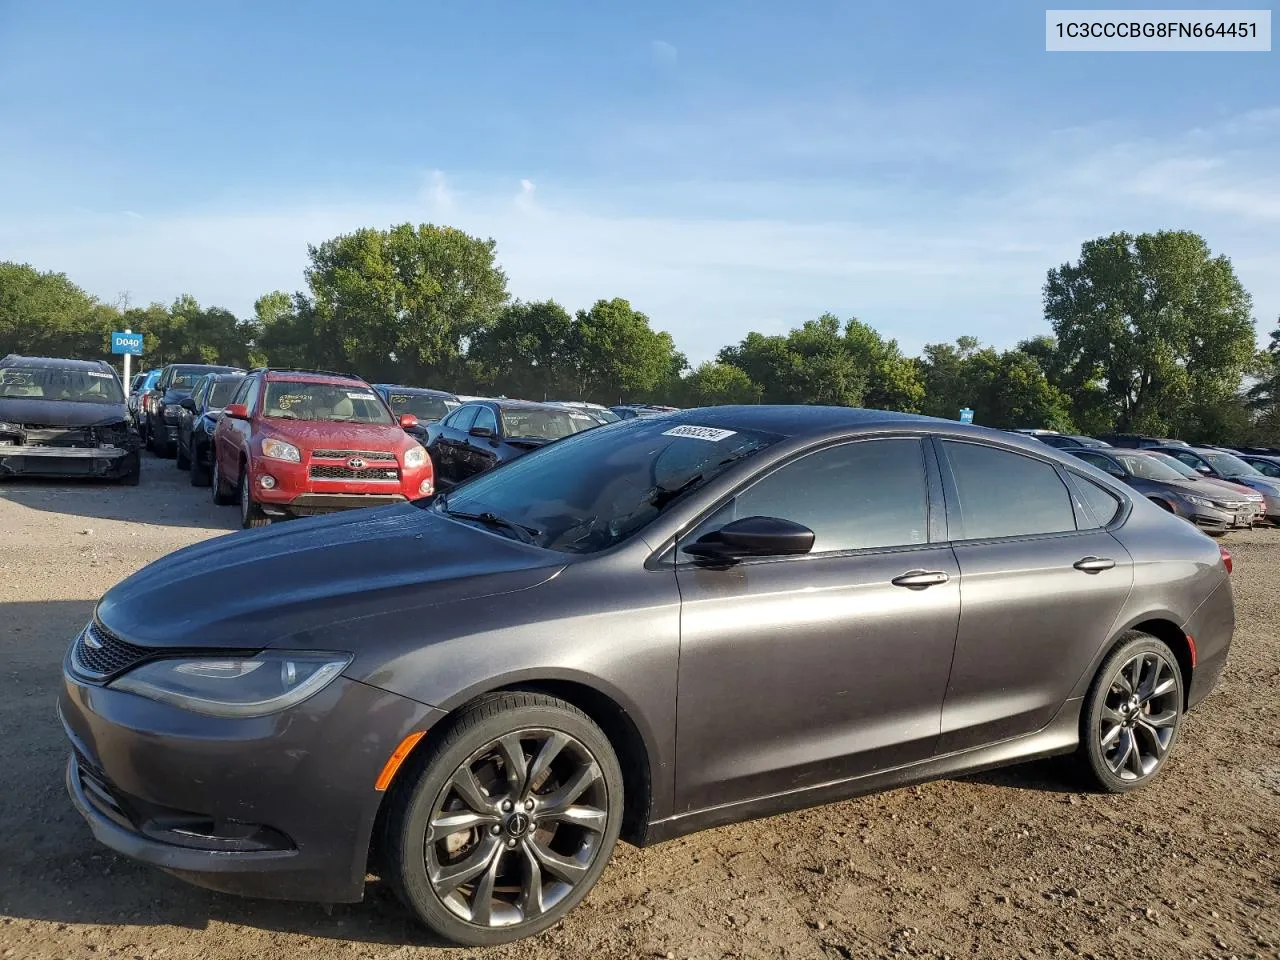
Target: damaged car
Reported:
point(65, 418)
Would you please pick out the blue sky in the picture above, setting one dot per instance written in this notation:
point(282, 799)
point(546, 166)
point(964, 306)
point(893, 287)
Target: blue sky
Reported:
point(726, 166)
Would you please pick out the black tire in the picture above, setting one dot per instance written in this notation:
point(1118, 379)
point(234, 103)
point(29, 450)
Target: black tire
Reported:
point(199, 469)
point(182, 461)
point(134, 475)
point(427, 783)
point(1144, 705)
point(223, 496)
point(251, 514)
point(149, 437)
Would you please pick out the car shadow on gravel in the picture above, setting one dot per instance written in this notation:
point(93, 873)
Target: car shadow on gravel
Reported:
point(52, 869)
point(164, 497)
point(1053, 775)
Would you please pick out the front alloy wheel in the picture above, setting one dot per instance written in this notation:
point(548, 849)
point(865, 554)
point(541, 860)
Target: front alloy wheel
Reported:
point(510, 822)
point(1134, 711)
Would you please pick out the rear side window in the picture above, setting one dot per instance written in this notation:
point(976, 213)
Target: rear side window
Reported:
point(1004, 494)
point(862, 495)
point(1102, 504)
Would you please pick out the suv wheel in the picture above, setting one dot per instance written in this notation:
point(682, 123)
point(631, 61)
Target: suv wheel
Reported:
point(251, 514)
point(199, 469)
point(222, 495)
point(506, 821)
point(182, 461)
point(1132, 715)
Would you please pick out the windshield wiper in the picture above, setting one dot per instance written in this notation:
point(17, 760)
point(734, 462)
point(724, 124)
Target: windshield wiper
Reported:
point(489, 519)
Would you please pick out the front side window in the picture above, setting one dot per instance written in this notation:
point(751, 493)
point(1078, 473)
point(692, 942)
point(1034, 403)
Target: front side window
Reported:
point(1004, 494)
point(599, 487)
point(336, 403)
point(68, 384)
point(486, 419)
point(856, 496)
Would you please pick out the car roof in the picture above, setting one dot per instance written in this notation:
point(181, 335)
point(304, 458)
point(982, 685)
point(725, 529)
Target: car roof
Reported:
point(420, 391)
point(210, 367)
point(518, 405)
point(806, 420)
point(15, 358)
point(311, 376)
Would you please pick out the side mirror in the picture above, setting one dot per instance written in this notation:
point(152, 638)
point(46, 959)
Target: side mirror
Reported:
point(187, 403)
point(408, 421)
point(236, 411)
point(753, 537)
point(481, 432)
point(1201, 468)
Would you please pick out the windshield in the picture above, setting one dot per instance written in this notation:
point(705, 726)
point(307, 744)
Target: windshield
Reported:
point(540, 424)
point(424, 406)
point(295, 400)
point(185, 378)
point(59, 383)
point(1173, 463)
point(1230, 466)
point(1149, 468)
point(221, 392)
point(596, 489)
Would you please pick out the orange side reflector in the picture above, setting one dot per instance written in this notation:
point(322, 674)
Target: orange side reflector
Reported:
point(397, 758)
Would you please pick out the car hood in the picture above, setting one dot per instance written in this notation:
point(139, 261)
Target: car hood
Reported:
point(176, 395)
point(1223, 488)
point(1263, 485)
point(275, 586)
point(59, 413)
point(322, 434)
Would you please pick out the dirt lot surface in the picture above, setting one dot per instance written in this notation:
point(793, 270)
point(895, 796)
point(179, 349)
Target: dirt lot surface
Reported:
point(1012, 864)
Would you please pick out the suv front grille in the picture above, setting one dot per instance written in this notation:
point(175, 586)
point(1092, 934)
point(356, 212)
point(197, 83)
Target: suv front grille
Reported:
point(370, 455)
point(99, 654)
point(323, 471)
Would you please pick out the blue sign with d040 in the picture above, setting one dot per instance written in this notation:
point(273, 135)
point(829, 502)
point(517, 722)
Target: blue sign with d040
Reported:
point(126, 343)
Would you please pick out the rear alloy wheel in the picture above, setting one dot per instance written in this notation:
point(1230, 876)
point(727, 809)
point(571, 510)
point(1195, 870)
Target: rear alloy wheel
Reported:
point(222, 494)
point(1132, 714)
point(251, 514)
point(507, 822)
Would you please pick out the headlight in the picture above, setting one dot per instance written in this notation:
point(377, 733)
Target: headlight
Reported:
point(235, 687)
point(279, 450)
point(172, 411)
point(416, 457)
point(1199, 501)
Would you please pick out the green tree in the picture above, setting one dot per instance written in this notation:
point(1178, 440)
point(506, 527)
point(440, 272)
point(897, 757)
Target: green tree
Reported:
point(1005, 389)
point(1155, 319)
point(285, 335)
point(1263, 398)
point(712, 384)
point(527, 352)
point(617, 355)
point(45, 314)
point(401, 304)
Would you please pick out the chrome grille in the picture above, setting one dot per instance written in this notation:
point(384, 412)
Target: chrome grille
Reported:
point(371, 455)
point(99, 654)
point(323, 471)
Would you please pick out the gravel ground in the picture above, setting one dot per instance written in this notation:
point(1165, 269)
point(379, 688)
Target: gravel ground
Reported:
point(1016, 863)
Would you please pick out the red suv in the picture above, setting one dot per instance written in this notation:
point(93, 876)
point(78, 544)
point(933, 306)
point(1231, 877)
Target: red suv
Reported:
point(295, 443)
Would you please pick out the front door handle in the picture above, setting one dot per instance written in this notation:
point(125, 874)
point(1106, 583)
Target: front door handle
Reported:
point(920, 578)
point(1094, 564)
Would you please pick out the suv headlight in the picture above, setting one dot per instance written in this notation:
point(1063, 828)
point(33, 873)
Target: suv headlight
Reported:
point(172, 411)
point(234, 686)
point(416, 457)
point(279, 450)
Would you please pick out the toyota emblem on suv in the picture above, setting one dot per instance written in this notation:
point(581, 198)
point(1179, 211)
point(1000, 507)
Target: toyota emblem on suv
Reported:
point(355, 463)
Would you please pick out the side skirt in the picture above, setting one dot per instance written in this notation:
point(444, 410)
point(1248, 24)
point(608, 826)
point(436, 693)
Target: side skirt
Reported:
point(1061, 735)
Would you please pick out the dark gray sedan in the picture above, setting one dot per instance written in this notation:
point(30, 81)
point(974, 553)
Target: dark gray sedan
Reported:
point(638, 631)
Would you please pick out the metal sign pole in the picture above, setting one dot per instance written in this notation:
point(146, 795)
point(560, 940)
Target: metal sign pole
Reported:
point(128, 359)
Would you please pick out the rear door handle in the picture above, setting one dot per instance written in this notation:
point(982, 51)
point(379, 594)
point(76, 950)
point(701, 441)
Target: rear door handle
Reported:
point(1094, 564)
point(920, 578)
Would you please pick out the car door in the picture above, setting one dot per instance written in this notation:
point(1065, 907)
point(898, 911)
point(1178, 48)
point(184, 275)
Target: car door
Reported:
point(234, 435)
point(800, 671)
point(1041, 585)
point(481, 453)
point(453, 432)
point(1268, 468)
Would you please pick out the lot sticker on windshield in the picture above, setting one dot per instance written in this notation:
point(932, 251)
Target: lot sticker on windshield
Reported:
point(698, 433)
point(104, 376)
point(358, 396)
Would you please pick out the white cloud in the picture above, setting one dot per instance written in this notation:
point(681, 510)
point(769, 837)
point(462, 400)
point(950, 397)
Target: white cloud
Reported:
point(664, 52)
point(712, 258)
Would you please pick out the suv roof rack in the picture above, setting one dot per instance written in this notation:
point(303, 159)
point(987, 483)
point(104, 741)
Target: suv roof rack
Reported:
point(319, 373)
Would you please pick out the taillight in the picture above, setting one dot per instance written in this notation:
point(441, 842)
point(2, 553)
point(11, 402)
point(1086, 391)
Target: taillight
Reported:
point(1226, 557)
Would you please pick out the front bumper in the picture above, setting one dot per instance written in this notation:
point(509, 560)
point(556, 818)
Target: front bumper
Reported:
point(108, 463)
point(297, 493)
point(145, 775)
point(314, 504)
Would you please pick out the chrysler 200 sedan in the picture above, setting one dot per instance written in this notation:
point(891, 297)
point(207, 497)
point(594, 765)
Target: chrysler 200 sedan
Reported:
point(637, 632)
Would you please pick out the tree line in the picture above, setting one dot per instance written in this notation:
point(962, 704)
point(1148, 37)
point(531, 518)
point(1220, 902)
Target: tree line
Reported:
point(1150, 333)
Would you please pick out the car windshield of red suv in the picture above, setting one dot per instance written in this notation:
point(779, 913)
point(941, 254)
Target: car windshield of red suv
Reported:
point(296, 400)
